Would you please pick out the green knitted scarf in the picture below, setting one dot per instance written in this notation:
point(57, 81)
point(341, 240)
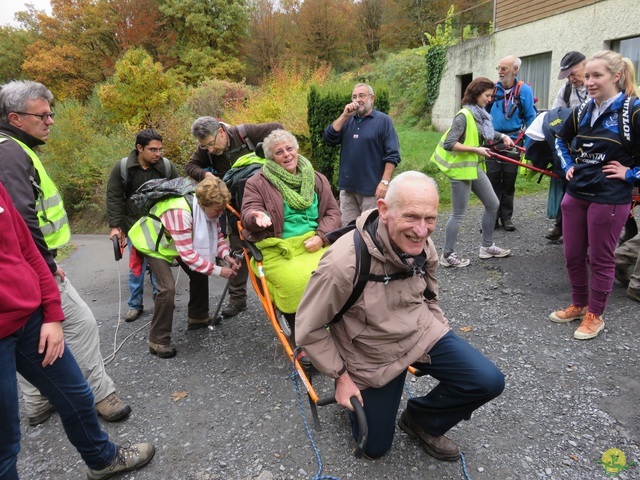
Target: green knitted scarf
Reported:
point(297, 189)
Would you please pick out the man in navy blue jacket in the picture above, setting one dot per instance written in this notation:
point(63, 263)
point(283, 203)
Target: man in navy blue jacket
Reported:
point(369, 153)
point(512, 111)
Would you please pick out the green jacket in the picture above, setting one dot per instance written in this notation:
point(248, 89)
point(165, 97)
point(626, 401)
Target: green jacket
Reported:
point(459, 165)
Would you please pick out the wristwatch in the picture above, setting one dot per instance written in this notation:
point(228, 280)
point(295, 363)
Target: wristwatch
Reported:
point(385, 182)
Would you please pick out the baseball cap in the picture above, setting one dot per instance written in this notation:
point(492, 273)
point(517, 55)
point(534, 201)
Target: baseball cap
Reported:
point(570, 60)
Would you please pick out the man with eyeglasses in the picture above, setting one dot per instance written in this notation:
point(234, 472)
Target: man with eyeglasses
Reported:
point(369, 153)
point(128, 174)
point(25, 122)
point(512, 111)
point(219, 146)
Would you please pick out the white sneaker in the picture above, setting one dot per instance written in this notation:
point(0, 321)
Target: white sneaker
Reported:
point(453, 261)
point(493, 251)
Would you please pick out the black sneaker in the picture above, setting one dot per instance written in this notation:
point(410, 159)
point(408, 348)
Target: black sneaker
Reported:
point(127, 458)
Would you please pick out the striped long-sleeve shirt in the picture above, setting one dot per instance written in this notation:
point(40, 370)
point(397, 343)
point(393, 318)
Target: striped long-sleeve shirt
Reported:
point(179, 224)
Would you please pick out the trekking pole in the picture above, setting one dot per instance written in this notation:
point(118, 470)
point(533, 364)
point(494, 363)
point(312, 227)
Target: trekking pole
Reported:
point(525, 165)
point(217, 318)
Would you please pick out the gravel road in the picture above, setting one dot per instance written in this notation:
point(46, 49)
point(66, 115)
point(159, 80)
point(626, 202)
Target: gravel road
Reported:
point(225, 407)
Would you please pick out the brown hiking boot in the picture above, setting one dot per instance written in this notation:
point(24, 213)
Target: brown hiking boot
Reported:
point(195, 324)
point(112, 409)
point(162, 351)
point(132, 315)
point(590, 327)
point(233, 309)
point(127, 458)
point(442, 447)
point(569, 314)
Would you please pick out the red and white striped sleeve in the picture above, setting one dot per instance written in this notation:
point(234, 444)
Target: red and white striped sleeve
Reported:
point(178, 223)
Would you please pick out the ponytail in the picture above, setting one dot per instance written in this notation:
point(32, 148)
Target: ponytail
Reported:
point(627, 82)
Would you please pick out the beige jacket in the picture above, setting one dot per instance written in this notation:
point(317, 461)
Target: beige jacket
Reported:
point(390, 327)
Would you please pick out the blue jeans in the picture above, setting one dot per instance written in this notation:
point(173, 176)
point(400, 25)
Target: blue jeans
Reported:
point(467, 378)
point(136, 284)
point(65, 387)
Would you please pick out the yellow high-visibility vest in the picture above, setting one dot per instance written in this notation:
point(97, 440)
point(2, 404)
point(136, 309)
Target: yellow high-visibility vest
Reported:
point(52, 217)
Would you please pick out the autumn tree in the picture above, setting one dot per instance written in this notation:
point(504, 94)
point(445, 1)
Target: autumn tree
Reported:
point(140, 92)
point(369, 21)
point(268, 37)
point(13, 43)
point(325, 30)
point(208, 34)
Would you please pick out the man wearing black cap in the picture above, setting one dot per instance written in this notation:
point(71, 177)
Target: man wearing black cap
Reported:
point(572, 94)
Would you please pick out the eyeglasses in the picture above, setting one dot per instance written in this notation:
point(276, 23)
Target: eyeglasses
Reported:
point(41, 116)
point(156, 150)
point(503, 69)
point(211, 144)
point(360, 96)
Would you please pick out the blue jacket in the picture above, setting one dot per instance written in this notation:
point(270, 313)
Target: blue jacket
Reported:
point(367, 144)
point(594, 147)
point(511, 124)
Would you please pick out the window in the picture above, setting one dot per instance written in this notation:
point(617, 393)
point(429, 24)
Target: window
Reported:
point(536, 70)
point(630, 48)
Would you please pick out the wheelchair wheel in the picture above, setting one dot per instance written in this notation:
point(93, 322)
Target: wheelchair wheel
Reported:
point(282, 321)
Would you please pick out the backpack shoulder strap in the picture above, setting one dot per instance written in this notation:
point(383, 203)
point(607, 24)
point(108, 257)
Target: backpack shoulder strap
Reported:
point(363, 265)
point(124, 174)
point(242, 131)
point(567, 93)
point(167, 168)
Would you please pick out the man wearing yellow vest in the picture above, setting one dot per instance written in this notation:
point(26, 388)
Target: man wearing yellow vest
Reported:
point(25, 120)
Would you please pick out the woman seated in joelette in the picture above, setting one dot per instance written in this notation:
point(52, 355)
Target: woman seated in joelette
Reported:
point(287, 209)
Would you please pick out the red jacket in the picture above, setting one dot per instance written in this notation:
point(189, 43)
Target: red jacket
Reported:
point(27, 283)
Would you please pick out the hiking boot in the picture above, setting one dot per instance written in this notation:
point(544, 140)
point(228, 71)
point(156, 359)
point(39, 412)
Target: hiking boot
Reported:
point(554, 234)
point(193, 324)
point(590, 327)
point(633, 294)
point(41, 416)
point(508, 225)
point(453, 261)
point(568, 314)
point(233, 309)
point(493, 252)
point(132, 315)
point(128, 458)
point(162, 351)
point(112, 409)
point(622, 275)
point(442, 447)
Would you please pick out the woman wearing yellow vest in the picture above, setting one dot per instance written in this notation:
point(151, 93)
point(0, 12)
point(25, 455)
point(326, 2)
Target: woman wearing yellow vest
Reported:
point(458, 156)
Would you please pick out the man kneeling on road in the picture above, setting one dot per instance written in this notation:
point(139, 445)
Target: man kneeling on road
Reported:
point(393, 325)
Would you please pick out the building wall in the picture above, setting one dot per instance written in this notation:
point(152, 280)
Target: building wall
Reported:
point(511, 13)
point(586, 29)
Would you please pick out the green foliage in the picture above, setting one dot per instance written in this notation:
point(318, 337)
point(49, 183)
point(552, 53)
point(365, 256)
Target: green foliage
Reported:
point(436, 59)
point(78, 156)
point(404, 75)
point(207, 36)
point(216, 97)
point(139, 91)
point(325, 105)
point(13, 43)
point(282, 98)
point(444, 34)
